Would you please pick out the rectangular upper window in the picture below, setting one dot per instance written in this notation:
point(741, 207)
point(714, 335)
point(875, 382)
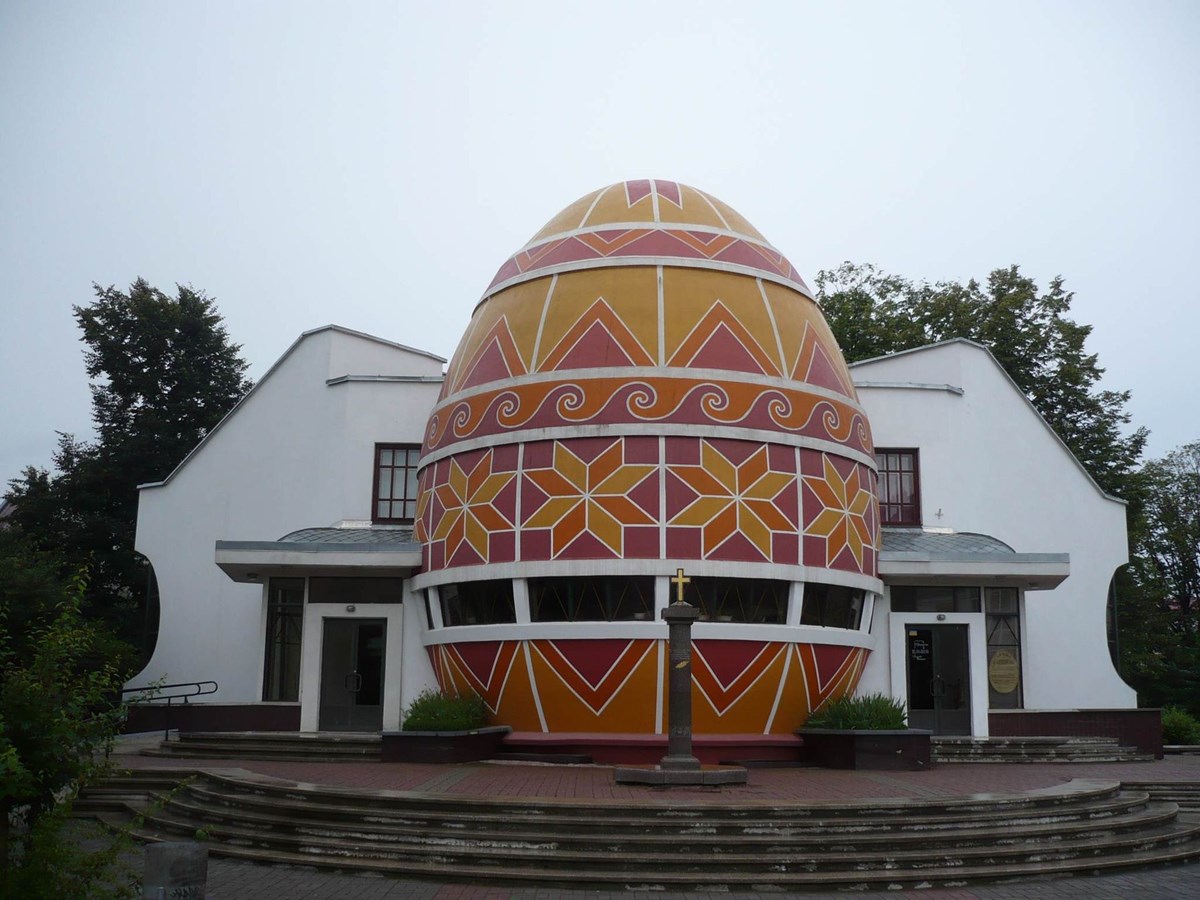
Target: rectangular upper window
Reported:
point(395, 483)
point(899, 487)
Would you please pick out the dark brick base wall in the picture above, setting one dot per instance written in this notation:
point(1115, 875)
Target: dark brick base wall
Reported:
point(213, 717)
point(1141, 728)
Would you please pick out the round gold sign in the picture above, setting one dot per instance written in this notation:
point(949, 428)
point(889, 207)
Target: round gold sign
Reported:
point(1004, 672)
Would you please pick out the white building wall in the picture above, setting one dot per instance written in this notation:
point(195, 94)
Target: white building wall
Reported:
point(990, 464)
point(297, 453)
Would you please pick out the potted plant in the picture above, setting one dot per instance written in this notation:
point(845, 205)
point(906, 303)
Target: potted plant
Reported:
point(867, 732)
point(441, 727)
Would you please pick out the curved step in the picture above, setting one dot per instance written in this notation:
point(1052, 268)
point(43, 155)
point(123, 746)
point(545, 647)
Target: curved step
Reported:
point(1081, 826)
point(482, 820)
point(749, 838)
point(656, 878)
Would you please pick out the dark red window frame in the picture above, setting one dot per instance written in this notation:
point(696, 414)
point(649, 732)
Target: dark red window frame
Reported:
point(899, 485)
point(394, 494)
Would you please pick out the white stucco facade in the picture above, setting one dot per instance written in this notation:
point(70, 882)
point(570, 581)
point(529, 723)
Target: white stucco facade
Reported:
point(989, 464)
point(297, 452)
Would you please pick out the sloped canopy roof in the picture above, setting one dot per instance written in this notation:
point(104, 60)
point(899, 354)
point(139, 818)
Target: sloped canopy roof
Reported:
point(916, 556)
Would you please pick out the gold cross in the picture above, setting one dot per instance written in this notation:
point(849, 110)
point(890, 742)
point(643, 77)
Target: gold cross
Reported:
point(679, 581)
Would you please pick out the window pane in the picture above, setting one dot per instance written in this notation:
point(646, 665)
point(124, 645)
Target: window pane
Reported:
point(477, 603)
point(396, 477)
point(831, 606)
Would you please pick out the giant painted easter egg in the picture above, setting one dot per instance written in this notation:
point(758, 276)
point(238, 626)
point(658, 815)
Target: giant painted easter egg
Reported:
point(647, 386)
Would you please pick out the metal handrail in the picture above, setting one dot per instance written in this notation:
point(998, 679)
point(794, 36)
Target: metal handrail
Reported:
point(199, 690)
point(195, 689)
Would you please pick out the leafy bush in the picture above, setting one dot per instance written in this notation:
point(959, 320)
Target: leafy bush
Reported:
point(434, 711)
point(58, 717)
point(870, 712)
point(1179, 726)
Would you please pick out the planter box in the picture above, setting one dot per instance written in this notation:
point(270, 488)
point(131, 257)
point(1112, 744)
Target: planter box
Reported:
point(442, 746)
point(834, 748)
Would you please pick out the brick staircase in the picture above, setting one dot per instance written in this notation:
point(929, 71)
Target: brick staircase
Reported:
point(1032, 749)
point(1080, 827)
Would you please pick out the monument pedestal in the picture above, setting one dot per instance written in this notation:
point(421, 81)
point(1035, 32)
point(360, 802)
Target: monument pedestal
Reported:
point(660, 776)
point(679, 766)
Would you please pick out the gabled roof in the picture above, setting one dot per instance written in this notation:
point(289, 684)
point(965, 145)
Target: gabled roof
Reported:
point(266, 375)
point(360, 334)
point(1016, 387)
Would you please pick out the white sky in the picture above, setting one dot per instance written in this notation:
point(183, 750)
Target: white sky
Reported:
point(372, 164)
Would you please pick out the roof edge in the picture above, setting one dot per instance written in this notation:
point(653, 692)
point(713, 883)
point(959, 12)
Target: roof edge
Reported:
point(342, 329)
point(1003, 371)
point(304, 335)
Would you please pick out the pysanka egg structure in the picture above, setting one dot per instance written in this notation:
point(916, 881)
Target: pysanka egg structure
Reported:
point(647, 386)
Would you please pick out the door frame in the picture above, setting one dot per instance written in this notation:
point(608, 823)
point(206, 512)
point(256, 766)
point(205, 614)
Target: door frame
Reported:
point(310, 657)
point(976, 658)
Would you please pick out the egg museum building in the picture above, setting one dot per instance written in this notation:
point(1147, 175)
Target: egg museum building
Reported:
point(646, 386)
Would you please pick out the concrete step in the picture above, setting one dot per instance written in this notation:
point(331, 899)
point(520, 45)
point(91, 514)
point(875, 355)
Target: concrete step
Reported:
point(951, 749)
point(1082, 826)
point(538, 821)
point(1184, 793)
point(700, 855)
point(268, 745)
point(1091, 821)
point(660, 876)
point(570, 813)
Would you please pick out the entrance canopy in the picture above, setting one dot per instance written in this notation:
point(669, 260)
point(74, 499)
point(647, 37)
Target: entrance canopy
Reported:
point(372, 551)
point(920, 557)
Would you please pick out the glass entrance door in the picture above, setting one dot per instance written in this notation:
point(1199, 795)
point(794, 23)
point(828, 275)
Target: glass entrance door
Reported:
point(939, 678)
point(352, 675)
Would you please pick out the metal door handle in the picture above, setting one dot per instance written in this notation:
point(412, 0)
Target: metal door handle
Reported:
point(937, 687)
point(352, 682)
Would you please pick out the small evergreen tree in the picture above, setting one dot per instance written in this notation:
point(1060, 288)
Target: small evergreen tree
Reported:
point(163, 374)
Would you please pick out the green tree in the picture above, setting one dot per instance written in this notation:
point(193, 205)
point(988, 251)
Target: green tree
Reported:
point(57, 711)
point(163, 374)
point(1027, 330)
point(1160, 611)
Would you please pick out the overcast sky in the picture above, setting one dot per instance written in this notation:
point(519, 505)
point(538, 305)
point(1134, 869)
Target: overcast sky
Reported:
point(372, 164)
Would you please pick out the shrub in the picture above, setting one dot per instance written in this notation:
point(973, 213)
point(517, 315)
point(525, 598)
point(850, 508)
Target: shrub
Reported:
point(1179, 726)
point(434, 711)
point(870, 712)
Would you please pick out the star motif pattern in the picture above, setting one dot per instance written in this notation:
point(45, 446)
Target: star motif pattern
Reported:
point(588, 497)
point(468, 503)
point(846, 512)
point(734, 499)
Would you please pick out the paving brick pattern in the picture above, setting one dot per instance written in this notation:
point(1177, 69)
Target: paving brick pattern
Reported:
point(229, 880)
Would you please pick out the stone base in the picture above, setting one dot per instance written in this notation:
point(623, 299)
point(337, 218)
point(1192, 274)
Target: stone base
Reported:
point(835, 748)
point(660, 777)
point(442, 746)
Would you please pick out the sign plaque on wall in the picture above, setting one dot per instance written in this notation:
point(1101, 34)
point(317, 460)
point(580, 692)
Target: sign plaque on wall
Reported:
point(1004, 672)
